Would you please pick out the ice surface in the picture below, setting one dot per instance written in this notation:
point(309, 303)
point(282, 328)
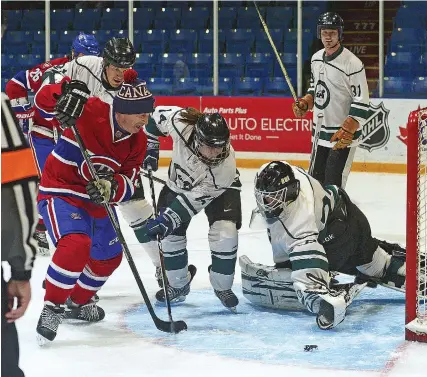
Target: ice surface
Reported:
point(253, 342)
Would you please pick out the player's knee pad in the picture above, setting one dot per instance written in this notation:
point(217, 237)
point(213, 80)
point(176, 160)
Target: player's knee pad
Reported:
point(136, 212)
point(223, 241)
point(268, 286)
point(103, 268)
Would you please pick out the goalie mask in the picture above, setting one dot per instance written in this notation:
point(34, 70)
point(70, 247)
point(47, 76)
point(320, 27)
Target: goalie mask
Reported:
point(211, 139)
point(275, 188)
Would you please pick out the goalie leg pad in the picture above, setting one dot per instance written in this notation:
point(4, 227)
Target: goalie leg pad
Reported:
point(268, 286)
point(136, 212)
point(223, 242)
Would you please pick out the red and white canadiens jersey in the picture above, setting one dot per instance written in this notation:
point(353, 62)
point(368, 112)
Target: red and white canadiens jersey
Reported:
point(31, 79)
point(112, 150)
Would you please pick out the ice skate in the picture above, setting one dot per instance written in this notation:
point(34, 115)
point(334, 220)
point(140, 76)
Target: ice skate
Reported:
point(49, 321)
point(89, 312)
point(177, 294)
point(228, 299)
point(42, 243)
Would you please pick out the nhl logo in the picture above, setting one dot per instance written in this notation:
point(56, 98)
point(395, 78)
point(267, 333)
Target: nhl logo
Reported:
point(375, 131)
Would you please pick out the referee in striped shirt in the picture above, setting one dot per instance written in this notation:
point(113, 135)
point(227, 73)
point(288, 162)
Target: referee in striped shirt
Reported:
point(18, 221)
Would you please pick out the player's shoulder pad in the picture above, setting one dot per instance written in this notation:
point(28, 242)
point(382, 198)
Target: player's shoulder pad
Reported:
point(353, 63)
point(318, 55)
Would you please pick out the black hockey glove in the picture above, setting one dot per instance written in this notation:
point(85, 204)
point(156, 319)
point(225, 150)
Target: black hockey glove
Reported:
point(103, 190)
point(151, 158)
point(71, 102)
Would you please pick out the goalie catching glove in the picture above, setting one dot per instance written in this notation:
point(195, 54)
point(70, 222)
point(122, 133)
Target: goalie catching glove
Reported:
point(74, 95)
point(103, 190)
point(344, 136)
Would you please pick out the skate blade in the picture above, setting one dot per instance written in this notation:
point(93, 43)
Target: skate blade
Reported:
point(41, 340)
point(173, 302)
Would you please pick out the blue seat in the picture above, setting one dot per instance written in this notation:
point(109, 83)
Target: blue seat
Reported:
point(143, 18)
point(277, 87)
point(248, 86)
point(160, 86)
point(397, 87)
point(239, 40)
point(167, 18)
point(27, 61)
point(145, 72)
point(399, 46)
point(406, 35)
point(401, 64)
point(420, 87)
point(227, 17)
point(279, 17)
point(289, 60)
point(195, 17)
point(259, 65)
point(231, 65)
point(19, 37)
point(409, 16)
point(67, 37)
point(13, 49)
point(247, 18)
point(33, 19)
point(103, 36)
point(116, 24)
point(185, 86)
point(14, 18)
point(87, 19)
point(200, 65)
point(110, 14)
point(3, 83)
point(61, 19)
point(170, 59)
point(8, 60)
point(145, 59)
point(262, 44)
point(40, 48)
point(39, 36)
point(154, 41)
point(183, 40)
point(206, 41)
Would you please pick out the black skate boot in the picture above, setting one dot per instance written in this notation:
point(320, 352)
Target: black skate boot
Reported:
point(177, 294)
point(89, 312)
point(50, 318)
point(228, 299)
point(42, 243)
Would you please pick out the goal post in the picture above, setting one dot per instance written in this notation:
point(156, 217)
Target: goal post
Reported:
point(416, 227)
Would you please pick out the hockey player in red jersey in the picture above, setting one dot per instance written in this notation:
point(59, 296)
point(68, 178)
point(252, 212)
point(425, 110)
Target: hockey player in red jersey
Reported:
point(71, 201)
point(39, 125)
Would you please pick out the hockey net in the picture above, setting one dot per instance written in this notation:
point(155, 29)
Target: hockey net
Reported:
point(416, 232)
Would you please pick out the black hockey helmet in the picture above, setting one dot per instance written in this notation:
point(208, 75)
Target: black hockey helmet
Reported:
point(119, 52)
point(330, 20)
point(275, 188)
point(211, 130)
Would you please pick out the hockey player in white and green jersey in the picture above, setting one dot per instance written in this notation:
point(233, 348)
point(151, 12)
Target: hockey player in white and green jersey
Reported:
point(315, 229)
point(339, 97)
point(202, 175)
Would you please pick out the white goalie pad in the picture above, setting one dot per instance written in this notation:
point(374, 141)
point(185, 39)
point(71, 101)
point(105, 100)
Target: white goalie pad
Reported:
point(268, 286)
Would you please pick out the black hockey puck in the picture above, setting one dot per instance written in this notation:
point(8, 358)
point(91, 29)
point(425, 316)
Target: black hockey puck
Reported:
point(310, 347)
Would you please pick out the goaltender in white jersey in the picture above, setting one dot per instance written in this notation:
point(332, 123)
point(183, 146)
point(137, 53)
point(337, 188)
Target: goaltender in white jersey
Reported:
point(202, 175)
point(314, 230)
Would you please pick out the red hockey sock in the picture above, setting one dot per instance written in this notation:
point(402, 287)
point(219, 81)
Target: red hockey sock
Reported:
point(71, 255)
point(93, 277)
point(40, 227)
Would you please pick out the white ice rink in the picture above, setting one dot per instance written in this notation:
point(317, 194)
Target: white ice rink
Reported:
point(219, 343)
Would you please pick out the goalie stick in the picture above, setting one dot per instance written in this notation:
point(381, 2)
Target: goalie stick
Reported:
point(170, 327)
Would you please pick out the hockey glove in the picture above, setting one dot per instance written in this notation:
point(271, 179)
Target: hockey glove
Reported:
point(163, 225)
point(304, 104)
point(152, 155)
point(74, 95)
point(24, 112)
point(103, 190)
point(344, 136)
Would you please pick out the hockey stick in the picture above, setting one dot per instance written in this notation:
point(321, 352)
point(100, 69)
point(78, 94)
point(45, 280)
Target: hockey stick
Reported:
point(159, 244)
point(315, 142)
point(282, 67)
point(169, 327)
point(152, 177)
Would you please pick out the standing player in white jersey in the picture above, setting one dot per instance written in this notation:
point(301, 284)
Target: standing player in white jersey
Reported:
point(339, 97)
point(202, 175)
point(314, 229)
